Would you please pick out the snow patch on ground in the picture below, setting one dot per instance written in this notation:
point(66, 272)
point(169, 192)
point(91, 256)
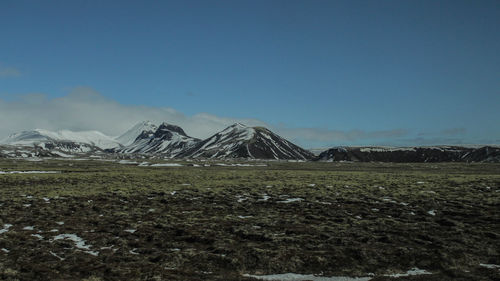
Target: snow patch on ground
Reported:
point(37, 236)
point(301, 277)
point(291, 200)
point(5, 228)
point(490, 266)
point(311, 277)
point(29, 172)
point(166, 165)
point(128, 162)
point(413, 271)
point(79, 242)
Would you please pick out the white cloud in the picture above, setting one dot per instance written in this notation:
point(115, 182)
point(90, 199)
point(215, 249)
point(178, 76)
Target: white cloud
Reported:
point(6, 71)
point(85, 109)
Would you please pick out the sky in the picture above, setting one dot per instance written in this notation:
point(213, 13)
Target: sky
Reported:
point(321, 73)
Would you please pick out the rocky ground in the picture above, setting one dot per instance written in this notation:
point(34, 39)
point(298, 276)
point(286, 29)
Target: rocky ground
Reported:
point(97, 220)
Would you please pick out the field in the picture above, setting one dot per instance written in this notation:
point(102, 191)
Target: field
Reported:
point(102, 220)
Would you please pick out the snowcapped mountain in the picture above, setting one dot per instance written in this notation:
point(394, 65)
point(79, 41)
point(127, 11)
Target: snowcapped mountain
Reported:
point(40, 137)
point(131, 135)
point(167, 139)
point(240, 141)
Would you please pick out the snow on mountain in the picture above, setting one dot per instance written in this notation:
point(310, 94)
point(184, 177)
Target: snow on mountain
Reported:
point(167, 139)
point(40, 136)
point(412, 154)
point(131, 135)
point(240, 141)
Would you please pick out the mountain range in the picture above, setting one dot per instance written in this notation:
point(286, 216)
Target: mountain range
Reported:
point(147, 139)
point(167, 140)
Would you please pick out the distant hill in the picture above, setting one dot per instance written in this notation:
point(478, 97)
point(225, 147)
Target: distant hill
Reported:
point(412, 154)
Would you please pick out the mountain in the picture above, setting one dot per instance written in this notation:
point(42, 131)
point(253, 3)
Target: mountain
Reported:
point(131, 135)
point(412, 154)
point(168, 140)
point(64, 138)
point(240, 141)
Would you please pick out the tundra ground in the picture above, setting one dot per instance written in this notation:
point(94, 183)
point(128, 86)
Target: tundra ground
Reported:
point(98, 220)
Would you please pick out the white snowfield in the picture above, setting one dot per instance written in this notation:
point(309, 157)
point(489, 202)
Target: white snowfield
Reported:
point(40, 136)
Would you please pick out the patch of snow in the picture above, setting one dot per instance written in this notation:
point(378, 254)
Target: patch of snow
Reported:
point(265, 197)
point(37, 236)
point(311, 185)
point(64, 155)
point(302, 277)
point(490, 266)
point(60, 222)
point(245, 217)
point(432, 212)
point(291, 200)
point(133, 252)
point(28, 228)
point(127, 162)
point(55, 255)
point(79, 242)
point(5, 250)
point(5, 228)
point(29, 172)
point(130, 230)
point(166, 165)
point(413, 271)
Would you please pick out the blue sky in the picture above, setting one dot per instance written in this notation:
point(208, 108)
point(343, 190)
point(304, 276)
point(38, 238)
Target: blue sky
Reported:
point(340, 72)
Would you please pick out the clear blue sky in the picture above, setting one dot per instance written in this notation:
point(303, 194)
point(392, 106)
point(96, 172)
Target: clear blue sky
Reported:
point(430, 68)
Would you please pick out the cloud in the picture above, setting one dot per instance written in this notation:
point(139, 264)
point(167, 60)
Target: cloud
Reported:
point(453, 131)
point(446, 132)
point(86, 109)
point(418, 141)
point(6, 71)
point(325, 135)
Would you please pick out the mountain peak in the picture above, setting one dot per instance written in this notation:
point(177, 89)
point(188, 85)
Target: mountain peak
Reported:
point(238, 125)
point(169, 127)
point(166, 139)
point(240, 141)
point(144, 127)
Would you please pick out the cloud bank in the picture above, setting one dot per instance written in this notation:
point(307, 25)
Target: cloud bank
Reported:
point(85, 109)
